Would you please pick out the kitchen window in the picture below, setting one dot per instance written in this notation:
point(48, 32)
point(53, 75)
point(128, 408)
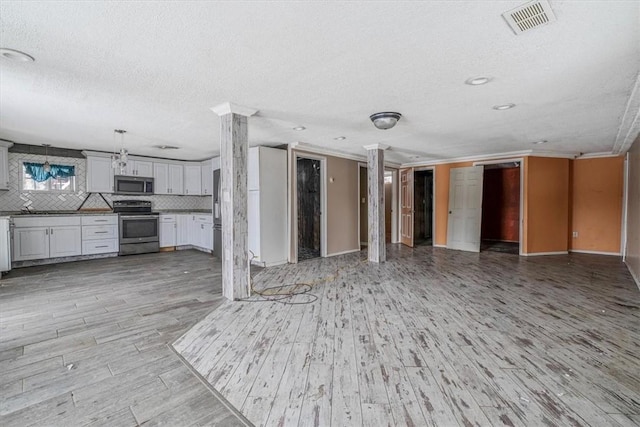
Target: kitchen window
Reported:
point(60, 178)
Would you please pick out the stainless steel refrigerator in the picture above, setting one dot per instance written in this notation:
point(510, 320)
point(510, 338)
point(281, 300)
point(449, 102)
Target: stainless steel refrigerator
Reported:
point(217, 217)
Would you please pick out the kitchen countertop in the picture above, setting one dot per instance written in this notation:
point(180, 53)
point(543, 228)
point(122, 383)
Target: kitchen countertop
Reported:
point(54, 213)
point(183, 211)
point(67, 213)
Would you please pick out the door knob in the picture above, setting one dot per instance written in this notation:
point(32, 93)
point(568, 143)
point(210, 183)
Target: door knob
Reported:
point(450, 212)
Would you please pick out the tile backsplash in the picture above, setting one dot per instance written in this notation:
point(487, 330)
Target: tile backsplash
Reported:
point(15, 199)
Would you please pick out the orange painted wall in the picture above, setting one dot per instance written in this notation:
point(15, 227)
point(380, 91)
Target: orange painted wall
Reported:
point(546, 204)
point(596, 204)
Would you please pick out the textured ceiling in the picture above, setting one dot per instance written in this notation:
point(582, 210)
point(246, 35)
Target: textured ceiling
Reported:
point(156, 68)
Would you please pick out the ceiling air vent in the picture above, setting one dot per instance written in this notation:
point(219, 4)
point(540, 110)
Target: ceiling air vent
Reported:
point(529, 16)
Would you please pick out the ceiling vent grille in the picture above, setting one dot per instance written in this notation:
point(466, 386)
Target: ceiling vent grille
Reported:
point(529, 16)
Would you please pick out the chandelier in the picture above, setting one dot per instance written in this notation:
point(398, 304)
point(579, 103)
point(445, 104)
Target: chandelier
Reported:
point(119, 160)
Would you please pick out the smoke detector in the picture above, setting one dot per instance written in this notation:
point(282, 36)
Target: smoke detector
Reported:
point(530, 15)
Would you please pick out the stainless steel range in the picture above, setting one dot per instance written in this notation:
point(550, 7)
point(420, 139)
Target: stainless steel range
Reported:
point(138, 227)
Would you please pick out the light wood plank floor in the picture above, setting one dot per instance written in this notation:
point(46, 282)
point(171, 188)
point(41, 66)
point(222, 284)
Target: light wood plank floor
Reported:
point(85, 343)
point(432, 337)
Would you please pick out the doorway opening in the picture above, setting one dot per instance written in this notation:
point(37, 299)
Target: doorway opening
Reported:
point(423, 207)
point(309, 205)
point(363, 203)
point(500, 227)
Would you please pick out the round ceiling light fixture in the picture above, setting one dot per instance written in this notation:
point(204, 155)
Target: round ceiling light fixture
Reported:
point(299, 128)
point(340, 138)
point(15, 55)
point(385, 120)
point(503, 107)
point(477, 81)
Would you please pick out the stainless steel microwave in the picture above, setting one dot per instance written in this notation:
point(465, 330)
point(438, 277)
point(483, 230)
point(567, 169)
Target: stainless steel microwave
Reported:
point(124, 184)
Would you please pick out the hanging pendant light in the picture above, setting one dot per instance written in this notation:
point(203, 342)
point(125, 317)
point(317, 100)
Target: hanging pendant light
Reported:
point(46, 167)
point(119, 160)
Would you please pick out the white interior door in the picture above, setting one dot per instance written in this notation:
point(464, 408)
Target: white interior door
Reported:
point(465, 208)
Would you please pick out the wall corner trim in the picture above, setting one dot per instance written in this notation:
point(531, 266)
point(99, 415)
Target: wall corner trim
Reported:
point(630, 123)
point(633, 274)
point(229, 107)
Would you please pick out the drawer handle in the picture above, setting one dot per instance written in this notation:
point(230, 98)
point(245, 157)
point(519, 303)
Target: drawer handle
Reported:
point(100, 220)
point(102, 246)
point(100, 232)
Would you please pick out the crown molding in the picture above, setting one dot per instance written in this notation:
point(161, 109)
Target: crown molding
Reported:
point(302, 146)
point(629, 128)
point(229, 107)
point(598, 155)
point(375, 147)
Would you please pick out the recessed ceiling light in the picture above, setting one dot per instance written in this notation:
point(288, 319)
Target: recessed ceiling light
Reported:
point(503, 107)
point(477, 81)
point(15, 55)
point(542, 141)
point(340, 138)
point(299, 128)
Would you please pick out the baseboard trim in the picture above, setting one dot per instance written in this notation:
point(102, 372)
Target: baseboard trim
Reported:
point(580, 251)
point(350, 251)
point(268, 264)
point(440, 246)
point(546, 253)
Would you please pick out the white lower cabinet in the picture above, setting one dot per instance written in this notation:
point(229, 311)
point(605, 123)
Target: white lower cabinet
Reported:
point(183, 232)
point(100, 234)
point(168, 231)
point(192, 229)
point(65, 241)
point(41, 238)
point(30, 243)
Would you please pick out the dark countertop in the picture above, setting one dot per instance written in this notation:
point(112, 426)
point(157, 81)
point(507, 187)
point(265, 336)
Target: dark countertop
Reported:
point(183, 211)
point(53, 213)
point(67, 213)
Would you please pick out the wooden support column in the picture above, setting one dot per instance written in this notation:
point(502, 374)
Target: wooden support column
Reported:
point(375, 179)
point(234, 151)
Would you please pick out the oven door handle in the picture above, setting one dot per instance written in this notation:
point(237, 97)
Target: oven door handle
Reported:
point(139, 216)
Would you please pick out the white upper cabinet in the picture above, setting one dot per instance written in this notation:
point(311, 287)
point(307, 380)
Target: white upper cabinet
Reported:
point(168, 178)
point(161, 178)
point(99, 174)
point(193, 179)
point(137, 167)
point(176, 179)
point(4, 165)
point(144, 168)
point(206, 172)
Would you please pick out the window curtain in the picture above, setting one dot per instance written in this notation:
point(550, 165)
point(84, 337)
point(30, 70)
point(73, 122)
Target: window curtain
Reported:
point(37, 172)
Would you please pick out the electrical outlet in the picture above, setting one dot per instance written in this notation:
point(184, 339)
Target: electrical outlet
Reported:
point(575, 234)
